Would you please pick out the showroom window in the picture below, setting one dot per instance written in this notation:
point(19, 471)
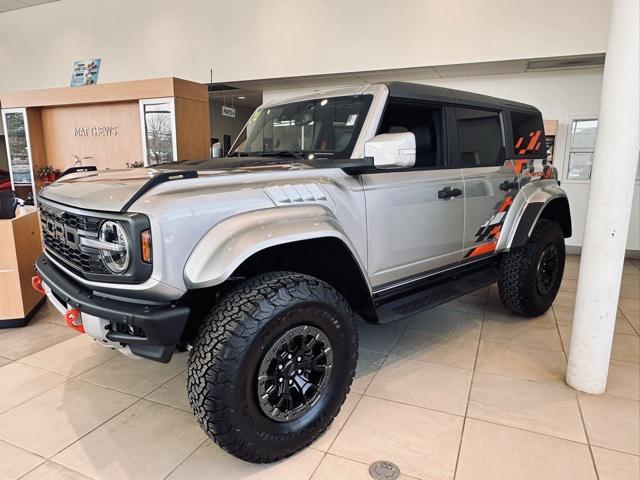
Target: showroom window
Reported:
point(424, 121)
point(480, 137)
point(582, 143)
point(158, 131)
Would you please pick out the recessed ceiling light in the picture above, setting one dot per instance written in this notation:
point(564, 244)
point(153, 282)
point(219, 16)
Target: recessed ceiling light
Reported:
point(241, 98)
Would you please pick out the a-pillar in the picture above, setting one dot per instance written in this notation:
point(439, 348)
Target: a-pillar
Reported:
point(609, 206)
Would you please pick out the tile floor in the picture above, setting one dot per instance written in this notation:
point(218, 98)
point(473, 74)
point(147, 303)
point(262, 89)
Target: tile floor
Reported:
point(463, 391)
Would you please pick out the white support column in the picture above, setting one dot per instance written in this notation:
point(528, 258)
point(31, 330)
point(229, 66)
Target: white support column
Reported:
point(609, 206)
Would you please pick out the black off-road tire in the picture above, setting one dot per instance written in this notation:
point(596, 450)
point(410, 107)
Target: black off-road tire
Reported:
point(226, 357)
point(518, 285)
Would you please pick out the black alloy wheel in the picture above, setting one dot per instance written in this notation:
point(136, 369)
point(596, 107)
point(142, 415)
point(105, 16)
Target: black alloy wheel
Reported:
point(547, 270)
point(294, 373)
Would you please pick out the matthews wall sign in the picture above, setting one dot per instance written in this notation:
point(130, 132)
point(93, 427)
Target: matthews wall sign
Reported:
point(97, 131)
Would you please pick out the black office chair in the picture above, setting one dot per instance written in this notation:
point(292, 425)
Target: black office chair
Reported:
point(8, 204)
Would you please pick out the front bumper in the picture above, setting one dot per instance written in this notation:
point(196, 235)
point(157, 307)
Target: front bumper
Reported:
point(154, 329)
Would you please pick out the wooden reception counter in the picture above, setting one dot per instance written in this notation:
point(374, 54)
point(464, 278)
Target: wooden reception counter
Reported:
point(20, 245)
point(111, 125)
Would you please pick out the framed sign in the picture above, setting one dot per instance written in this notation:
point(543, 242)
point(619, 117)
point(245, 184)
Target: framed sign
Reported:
point(228, 112)
point(85, 72)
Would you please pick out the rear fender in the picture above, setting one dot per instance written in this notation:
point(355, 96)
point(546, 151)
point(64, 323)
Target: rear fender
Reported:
point(528, 206)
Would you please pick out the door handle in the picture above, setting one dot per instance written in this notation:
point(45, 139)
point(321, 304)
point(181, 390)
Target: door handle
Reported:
point(448, 192)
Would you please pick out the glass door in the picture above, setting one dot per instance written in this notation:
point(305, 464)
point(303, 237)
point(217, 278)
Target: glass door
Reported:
point(16, 130)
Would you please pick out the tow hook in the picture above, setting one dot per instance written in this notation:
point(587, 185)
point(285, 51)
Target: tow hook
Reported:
point(74, 320)
point(36, 283)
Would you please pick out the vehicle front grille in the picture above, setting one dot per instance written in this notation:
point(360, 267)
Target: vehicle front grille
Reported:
point(61, 233)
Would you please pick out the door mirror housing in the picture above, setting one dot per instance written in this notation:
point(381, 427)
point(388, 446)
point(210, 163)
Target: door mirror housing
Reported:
point(392, 150)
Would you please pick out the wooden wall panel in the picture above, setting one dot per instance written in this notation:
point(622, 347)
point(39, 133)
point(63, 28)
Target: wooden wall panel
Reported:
point(551, 127)
point(192, 129)
point(36, 139)
point(109, 133)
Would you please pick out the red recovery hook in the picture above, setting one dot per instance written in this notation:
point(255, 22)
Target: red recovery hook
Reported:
point(36, 283)
point(74, 320)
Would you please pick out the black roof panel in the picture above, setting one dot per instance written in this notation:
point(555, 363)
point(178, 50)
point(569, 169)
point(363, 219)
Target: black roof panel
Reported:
point(432, 93)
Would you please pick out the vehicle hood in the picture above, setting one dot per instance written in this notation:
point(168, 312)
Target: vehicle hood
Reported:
point(111, 190)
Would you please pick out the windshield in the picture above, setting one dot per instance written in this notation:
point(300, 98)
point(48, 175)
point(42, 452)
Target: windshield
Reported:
point(320, 128)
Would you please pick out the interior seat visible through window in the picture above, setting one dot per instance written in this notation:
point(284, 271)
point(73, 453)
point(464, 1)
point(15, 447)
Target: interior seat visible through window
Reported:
point(424, 121)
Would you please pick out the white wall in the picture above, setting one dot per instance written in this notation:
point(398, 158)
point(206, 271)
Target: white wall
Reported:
point(560, 95)
point(257, 39)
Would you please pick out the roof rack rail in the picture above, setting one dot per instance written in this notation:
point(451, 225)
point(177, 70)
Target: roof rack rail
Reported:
point(157, 180)
point(88, 168)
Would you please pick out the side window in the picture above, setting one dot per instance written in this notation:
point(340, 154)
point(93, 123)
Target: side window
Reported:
point(424, 121)
point(527, 133)
point(480, 137)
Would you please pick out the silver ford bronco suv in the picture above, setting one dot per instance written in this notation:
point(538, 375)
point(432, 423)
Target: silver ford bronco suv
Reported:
point(380, 201)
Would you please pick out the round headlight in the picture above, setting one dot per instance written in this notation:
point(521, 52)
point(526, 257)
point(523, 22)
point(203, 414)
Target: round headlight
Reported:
point(115, 252)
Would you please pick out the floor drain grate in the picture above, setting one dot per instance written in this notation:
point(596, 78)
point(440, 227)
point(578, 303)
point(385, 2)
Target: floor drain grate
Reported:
point(383, 470)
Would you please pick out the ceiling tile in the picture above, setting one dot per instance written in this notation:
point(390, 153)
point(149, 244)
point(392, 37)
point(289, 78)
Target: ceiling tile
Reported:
point(6, 5)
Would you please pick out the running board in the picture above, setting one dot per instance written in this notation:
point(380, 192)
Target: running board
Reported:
point(394, 307)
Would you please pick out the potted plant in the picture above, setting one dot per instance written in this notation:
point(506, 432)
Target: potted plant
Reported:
point(48, 174)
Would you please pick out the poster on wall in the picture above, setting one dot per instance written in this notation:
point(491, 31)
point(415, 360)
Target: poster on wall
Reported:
point(85, 72)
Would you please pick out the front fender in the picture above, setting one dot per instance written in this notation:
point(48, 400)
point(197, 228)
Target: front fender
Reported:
point(229, 243)
point(526, 210)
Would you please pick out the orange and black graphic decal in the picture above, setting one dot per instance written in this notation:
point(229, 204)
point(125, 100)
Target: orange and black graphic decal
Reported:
point(524, 171)
point(531, 145)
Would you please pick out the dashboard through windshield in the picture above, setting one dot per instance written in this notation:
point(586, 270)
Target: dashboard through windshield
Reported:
point(323, 128)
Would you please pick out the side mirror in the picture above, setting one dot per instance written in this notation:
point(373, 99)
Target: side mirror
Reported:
point(216, 150)
point(392, 150)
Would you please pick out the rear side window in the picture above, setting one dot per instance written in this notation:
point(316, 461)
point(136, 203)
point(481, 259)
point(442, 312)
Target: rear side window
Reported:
point(480, 137)
point(528, 136)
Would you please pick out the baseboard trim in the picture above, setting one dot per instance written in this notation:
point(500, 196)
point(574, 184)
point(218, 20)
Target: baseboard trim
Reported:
point(21, 322)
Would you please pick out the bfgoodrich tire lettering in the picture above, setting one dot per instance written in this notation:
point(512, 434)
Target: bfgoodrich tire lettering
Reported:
point(521, 288)
point(231, 344)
